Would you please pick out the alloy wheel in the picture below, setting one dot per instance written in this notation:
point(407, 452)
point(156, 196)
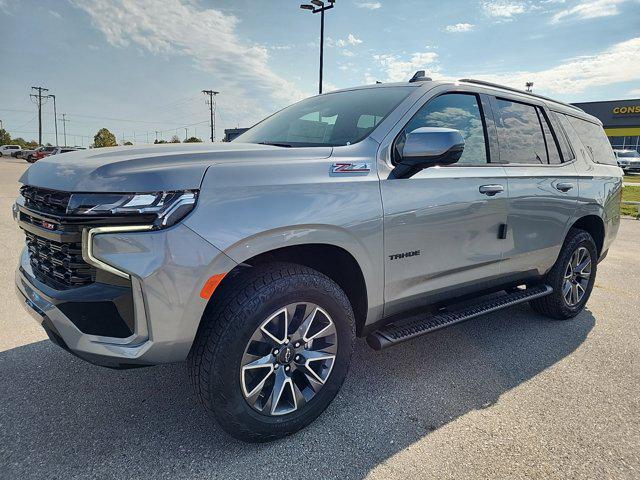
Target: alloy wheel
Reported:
point(288, 359)
point(576, 276)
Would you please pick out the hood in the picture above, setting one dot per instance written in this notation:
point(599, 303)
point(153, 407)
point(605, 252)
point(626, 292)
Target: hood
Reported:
point(150, 168)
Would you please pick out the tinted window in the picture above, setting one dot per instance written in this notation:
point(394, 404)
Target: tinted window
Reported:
point(461, 112)
point(549, 138)
point(519, 133)
point(339, 118)
point(594, 140)
point(561, 137)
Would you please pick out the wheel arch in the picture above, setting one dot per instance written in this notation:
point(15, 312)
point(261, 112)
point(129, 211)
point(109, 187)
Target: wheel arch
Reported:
point(594, 225)
point(335, 262)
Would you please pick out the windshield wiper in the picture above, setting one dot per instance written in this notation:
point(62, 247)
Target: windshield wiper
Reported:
point(276, 144)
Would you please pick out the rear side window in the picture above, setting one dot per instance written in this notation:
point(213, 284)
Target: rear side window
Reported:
point(520, 134)
point(594, 139)
point(549, 138)
point(562, 136)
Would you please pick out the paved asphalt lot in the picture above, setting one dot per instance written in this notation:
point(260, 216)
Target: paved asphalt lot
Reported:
point(510, 395)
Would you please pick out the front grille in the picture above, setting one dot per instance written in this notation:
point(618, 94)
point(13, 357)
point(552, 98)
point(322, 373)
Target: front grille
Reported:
point(45, 200)
point(54, 237)
point(59, 265)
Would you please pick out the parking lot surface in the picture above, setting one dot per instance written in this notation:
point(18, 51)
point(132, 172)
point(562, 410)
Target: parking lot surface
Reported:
point(508, 395)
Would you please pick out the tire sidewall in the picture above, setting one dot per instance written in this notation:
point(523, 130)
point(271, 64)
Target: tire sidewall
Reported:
point(582, 239)
point(225, 376)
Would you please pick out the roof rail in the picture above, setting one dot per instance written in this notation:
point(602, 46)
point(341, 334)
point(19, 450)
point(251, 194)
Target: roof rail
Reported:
point(517, 90)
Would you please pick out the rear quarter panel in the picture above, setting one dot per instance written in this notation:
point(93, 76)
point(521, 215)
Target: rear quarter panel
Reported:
point(599, 188)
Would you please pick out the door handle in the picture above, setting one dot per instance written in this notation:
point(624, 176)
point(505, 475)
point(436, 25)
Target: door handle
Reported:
point(491, 190)
point(564, 187)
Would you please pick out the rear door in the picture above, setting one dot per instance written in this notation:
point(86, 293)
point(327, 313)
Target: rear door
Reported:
point(442, 226)
point(543, 184)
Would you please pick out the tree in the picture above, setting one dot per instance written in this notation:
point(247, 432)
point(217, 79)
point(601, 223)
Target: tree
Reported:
point(157, 142)
point(127, 143)
point(104, 138)
point(5, 138)
point(193, 140)
point(175, 139)
point(24, 144)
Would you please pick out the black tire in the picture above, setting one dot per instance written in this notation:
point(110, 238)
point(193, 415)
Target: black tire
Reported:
point(555, 306)
point(240, 307)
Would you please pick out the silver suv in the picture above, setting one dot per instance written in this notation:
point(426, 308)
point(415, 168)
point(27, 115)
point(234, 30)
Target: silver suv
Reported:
point(261, 260)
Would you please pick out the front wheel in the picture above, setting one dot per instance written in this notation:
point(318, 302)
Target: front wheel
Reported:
point(572, 278)
point(274, 350)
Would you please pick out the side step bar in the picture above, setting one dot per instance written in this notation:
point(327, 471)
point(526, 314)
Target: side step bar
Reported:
point(397, 333)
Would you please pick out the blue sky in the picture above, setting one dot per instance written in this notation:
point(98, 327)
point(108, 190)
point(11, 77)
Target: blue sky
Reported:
point(137, 66)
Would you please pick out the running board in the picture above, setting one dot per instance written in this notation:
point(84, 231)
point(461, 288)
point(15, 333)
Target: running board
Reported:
point(397, 333)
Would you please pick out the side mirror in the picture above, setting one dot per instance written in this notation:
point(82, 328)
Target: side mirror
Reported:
point(427, 147)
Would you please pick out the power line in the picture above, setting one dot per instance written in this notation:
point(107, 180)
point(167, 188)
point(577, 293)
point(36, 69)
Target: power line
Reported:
point(212, 107)
point(39, 100)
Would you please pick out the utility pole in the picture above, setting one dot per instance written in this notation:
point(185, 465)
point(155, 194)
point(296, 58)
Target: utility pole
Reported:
point(55, 117)
point(156, 136)
point(1, 128)
point(38, 98)
point(318, 6)
point(212, 107)
point(186, 133)
point(64, 128)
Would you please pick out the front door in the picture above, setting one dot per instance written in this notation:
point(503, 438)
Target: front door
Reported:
point(442, 226)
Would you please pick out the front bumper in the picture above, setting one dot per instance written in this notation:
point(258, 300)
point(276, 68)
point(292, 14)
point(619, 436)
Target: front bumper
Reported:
point(167, 270)
point(631, 167)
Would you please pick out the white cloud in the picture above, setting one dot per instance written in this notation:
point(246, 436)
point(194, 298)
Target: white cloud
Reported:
point(178, 28)
point(577, 74)
point(55, 14)
point(398, 70)
point(573, 76)
point(459, 27)
point(589, 9)
point(351, 40)
point(369, 5)
point(635, 91)
point(503, 9)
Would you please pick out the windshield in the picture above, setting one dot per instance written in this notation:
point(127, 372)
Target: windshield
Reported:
point(334, 119)
point(632, 154)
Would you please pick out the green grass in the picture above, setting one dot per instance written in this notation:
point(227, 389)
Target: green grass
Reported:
point(630, 194)
point(632, 178)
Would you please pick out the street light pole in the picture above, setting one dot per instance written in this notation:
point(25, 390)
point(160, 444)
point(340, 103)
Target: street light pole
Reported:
point(318, 6)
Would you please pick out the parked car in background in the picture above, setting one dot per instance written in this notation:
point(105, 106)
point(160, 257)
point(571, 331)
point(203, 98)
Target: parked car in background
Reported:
point(24, 153)
point(59, 150)
point(628, 160)
point(39, 153)
point(7, 150)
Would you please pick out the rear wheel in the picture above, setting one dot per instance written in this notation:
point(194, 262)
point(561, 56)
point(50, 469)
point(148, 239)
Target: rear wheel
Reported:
point(274, 351)
point(572, 278)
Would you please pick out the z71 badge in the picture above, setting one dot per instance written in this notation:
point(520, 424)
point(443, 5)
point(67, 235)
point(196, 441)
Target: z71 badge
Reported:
point(348, 167)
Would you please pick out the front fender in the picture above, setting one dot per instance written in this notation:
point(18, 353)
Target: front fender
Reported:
point(247, 209)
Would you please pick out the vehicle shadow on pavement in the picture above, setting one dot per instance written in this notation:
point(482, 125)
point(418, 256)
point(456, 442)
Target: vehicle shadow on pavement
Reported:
point(61, 417)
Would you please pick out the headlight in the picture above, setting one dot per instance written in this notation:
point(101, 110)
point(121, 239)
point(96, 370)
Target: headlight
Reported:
point(168, 208)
